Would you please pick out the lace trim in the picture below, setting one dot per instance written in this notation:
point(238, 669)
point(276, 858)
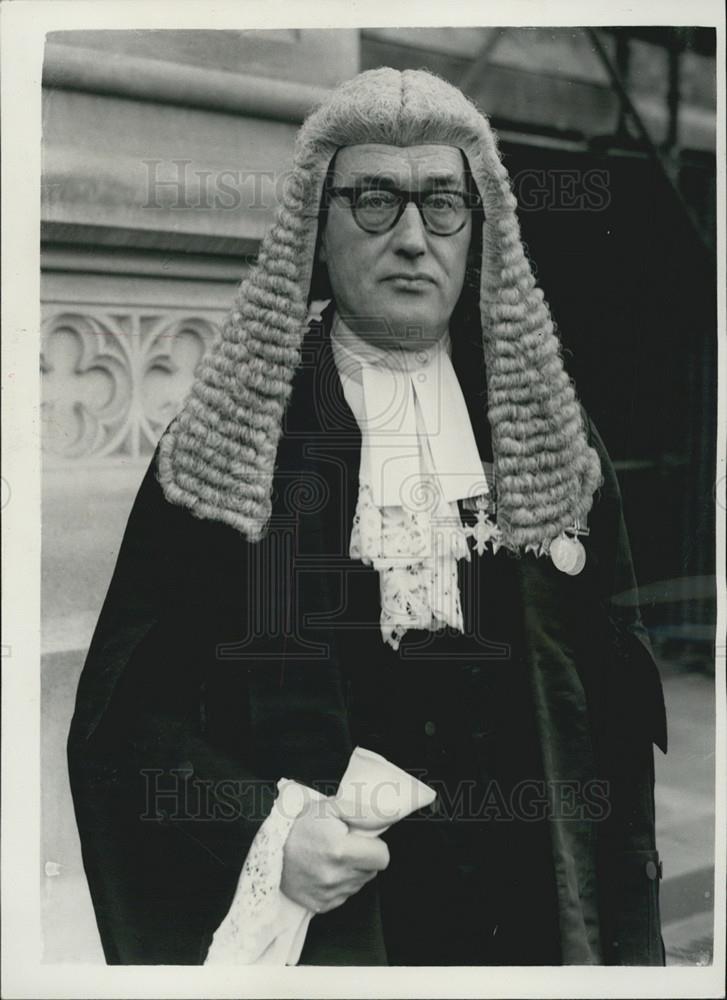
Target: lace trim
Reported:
point(250, 924)
point(416, 554)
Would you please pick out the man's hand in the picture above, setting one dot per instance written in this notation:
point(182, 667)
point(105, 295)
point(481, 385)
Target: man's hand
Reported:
point(324, 864)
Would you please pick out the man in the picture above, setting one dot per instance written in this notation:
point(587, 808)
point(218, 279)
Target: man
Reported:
point(379, 525)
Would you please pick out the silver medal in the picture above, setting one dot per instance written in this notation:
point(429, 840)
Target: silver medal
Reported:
point(580, 558)
point(567, 554)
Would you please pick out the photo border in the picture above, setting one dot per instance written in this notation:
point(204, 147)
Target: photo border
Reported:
point(24, 25)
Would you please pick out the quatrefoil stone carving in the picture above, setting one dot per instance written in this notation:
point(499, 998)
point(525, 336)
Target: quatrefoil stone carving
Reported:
point(112, 382)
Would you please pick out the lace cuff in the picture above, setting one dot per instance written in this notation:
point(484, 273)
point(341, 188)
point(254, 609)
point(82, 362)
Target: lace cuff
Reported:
point(254, 919)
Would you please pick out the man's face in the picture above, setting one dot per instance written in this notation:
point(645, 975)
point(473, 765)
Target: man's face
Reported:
point(363, 267)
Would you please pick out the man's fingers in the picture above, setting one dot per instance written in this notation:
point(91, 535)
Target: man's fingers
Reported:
point(338, 898)
point(326, 809)
point(332, 896)
point(366, 853)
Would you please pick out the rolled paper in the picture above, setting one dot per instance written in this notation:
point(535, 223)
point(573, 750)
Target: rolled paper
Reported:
point(374, 793)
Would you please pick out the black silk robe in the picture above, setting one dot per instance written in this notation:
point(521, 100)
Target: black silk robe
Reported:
point(218, 666)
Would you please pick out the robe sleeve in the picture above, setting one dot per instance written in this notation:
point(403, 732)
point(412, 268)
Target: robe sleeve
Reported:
point(620, 596)
point(162, 773)
point(634, 718)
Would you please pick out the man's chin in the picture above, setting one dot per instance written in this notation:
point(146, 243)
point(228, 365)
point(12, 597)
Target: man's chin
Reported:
point(413, 327)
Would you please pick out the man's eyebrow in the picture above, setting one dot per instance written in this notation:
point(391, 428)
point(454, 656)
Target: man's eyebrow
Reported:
point(385, 180)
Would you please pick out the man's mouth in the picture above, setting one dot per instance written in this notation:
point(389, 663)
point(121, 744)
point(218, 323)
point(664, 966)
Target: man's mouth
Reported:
point(409, 280)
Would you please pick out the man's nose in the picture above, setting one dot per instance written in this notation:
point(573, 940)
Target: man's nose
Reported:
point(409, 235)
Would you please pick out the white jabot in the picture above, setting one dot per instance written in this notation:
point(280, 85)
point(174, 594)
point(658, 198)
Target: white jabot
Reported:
point(400, 397)
point(418, 457)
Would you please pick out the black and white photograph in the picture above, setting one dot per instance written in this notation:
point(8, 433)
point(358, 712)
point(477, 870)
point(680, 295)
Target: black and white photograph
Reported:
point(364, 500)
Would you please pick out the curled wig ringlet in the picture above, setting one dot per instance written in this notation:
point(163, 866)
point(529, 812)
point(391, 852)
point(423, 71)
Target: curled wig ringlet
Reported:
point(217, 458)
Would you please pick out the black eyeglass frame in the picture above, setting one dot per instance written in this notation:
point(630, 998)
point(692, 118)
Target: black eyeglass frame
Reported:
point(471, 201)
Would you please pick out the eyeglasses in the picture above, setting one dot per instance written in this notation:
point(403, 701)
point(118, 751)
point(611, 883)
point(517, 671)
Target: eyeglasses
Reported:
point(377, 210)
